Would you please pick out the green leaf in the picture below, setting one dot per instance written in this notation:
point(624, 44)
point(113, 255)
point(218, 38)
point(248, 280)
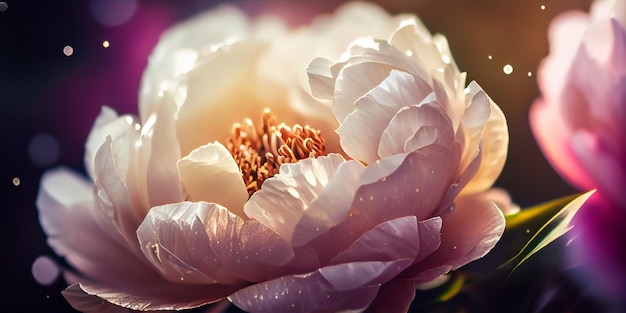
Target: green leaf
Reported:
point(558, 213)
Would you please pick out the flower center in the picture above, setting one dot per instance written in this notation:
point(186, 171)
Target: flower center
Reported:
point(260, 152)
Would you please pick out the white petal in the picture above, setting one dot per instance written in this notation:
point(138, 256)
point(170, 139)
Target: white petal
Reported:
point(209, 173)
point(110, 181)
point(306, 198)
point(162, 174)
point(360, 133)
point(320, 78)
point(107, 124)
point(414, 127)
point(178, 49)
point(495, 145)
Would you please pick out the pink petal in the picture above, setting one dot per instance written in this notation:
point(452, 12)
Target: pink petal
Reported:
point(467, 234)
point(608, 170)
point(406, 184)
point(67, 216)
point(204, 243)
point(391, 240)
point(172, 237)
point(552, 135)
point(86, 303)
point(209, 173)
point(414, 127)
point(360, 133)
point(313, 292)
point(353, 275)
point(306, 198)
point(123, 278)
point(599, 103)
point(153, 295)
point(564, 34)
point(388, 191)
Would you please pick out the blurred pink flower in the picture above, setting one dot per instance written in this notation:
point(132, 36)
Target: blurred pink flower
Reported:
point(579, 124)
point(168, 223)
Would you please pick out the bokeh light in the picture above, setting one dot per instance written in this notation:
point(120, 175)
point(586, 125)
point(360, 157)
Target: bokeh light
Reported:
point(112, 12)
point(44, 150)
point(44, 270)
point(68, 50)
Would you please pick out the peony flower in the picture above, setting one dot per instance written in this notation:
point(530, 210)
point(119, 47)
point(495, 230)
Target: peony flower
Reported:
point(192, 203)
point(579, 124)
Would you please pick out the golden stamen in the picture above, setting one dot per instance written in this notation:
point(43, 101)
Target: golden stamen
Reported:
point(260, 153)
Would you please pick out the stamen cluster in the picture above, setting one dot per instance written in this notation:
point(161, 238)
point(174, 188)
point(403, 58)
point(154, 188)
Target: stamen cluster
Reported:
point(260, 152)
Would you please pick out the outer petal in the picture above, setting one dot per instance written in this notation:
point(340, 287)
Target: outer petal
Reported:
point(173, 236)
point(67, 216)
point(411, 184)
point(350, 286)
point(113, 191)
point(467, 234)
point(86, 303)
point(406, 184)
point(494, 139)
point(123, 279)
point(153, 294)
point(209, 173)
point(107, 124)
point(392, 240)
point(306, 198)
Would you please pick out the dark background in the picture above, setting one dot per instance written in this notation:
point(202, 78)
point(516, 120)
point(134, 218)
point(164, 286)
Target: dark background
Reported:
point(43, 91)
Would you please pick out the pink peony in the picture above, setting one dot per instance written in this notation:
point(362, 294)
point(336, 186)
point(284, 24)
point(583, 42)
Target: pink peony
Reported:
point(167, 222)
point(579, 124)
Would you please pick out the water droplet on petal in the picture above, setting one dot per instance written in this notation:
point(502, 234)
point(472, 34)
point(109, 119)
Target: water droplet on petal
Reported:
point(530, 74)
point(490, 57)
point(543, 7)
point(16, 181)
point(451, 208)
point(105, 44)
